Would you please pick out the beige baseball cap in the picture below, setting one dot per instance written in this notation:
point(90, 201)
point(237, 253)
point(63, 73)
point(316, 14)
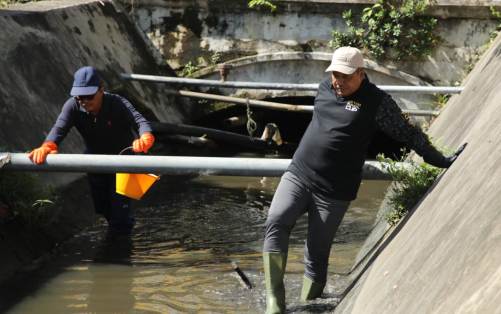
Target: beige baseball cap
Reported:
point(346, 60)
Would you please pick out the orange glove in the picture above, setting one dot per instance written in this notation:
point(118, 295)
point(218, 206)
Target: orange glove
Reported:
point(144, 143)
point(38, 155)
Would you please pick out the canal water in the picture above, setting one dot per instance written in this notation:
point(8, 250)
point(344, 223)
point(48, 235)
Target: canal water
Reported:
point(180, 259)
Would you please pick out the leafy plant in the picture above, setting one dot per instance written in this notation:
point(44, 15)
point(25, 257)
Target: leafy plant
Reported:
point(188, 69)
point(496, 14)
point(192, 66)
point(395, 29)
point(409, 186)
point(25, 196)
point(441, 100)
point(215, 58)
point(262, 3)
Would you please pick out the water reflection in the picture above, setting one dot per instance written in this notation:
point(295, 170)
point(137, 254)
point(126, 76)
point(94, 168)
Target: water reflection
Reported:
point(179, 257)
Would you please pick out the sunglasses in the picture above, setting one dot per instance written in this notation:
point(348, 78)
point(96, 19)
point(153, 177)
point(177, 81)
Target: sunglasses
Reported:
point(85, 97)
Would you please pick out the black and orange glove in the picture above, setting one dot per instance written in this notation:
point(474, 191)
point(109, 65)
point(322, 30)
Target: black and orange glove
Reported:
point(38, 155)
point(144, 143)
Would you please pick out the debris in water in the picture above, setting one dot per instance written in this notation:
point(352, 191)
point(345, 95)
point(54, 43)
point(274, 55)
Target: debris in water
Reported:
point(245, 280)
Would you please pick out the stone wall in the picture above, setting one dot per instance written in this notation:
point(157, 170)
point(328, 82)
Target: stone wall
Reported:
point(201, 31)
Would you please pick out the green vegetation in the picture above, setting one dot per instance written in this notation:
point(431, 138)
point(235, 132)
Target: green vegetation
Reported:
point(441, 100)
point(188, 69)
point(262, 3)
point(25, 197)
point(409, 186)
point(5, 3)
point(390, 29)
point(496, 14)
point(191, 67)
point(216, 58)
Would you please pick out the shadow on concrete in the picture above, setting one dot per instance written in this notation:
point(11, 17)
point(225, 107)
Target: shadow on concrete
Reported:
point(312, 308)
point(359, 270)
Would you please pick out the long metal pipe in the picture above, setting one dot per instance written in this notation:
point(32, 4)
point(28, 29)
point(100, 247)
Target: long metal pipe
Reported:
point(282, 86)
point(173, 165)
point(273, 105)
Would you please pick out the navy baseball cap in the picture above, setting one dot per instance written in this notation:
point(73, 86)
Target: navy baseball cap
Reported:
point(86, 82)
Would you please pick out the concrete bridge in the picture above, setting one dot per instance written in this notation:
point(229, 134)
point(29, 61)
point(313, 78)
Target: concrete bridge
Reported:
point(307, 67)
point(200, 31)
point(292, 44)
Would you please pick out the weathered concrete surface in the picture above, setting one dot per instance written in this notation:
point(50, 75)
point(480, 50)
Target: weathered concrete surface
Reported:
point(200, 31)
point(43, 43)
point(446, 257)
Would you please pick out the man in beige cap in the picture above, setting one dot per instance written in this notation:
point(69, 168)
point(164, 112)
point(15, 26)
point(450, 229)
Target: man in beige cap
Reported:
point(325, 172)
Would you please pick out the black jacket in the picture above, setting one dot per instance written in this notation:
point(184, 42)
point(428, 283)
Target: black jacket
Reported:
point(332, 152)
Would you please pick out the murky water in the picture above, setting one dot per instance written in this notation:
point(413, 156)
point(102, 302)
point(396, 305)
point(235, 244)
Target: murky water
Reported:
point(179, 258)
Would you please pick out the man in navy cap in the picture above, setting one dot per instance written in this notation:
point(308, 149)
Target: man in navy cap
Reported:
point(108, 124)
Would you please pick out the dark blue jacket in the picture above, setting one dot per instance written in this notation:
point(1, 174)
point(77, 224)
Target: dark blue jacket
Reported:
point(114, 128)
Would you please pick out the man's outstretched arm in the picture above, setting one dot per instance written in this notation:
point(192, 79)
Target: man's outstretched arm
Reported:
point(391, 120)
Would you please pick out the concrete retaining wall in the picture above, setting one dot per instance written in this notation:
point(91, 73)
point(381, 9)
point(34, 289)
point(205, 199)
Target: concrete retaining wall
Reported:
point(43, 43)
point(446, 257)
point(197, 30)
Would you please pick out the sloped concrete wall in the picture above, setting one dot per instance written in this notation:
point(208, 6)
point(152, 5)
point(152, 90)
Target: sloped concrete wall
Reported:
point(446, 257)
point(43, 43)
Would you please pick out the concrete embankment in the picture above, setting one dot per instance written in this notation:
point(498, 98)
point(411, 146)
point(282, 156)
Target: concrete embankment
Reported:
point(446, 257)
point(41, 45)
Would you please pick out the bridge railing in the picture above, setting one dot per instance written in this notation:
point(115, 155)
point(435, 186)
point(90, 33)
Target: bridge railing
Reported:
point(282, 86)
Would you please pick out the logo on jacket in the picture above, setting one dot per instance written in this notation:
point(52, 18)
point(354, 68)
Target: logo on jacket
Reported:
point(352, 105)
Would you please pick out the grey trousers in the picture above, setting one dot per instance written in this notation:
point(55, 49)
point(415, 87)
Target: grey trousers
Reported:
point(291, 200)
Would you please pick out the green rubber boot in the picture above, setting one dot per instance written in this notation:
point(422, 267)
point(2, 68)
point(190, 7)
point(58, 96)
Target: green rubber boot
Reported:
point(311, 290)
point(274, 269)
